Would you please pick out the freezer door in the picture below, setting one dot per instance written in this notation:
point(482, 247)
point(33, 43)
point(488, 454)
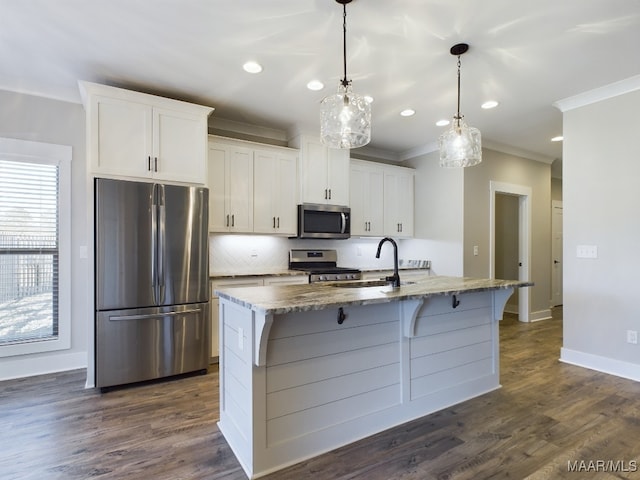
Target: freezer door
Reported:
point(124, 237)
point(183, 259)
point(145, 344)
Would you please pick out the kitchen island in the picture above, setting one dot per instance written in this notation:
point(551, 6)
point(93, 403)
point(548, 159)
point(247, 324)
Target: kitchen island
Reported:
point(305, 369)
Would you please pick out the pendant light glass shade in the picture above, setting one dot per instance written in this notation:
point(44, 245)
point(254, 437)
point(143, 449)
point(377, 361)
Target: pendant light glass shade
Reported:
point(461, 145)
point(345, 117)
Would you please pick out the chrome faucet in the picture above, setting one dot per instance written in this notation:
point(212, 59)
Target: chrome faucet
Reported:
point(395, 278)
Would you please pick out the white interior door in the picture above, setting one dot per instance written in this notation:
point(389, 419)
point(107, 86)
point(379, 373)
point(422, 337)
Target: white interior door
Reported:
point(556, 253)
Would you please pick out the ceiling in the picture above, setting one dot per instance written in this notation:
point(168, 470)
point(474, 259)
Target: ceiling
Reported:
point(525, 55)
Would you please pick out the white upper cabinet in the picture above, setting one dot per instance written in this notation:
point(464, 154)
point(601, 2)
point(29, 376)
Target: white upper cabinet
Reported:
point(274, 192)
point(382, 200)
point(136, 135)
point(230, 182)
point(324, 172)
point(398, 201)
point(367, 198)
point(252, 187)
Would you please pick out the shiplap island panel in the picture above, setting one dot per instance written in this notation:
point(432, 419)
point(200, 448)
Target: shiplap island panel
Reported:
point(308, 368)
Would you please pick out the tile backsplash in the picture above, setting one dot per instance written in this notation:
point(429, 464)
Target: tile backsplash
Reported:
point(240, 254)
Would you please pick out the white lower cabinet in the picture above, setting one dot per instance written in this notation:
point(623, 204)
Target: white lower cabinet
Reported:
point(249, 281)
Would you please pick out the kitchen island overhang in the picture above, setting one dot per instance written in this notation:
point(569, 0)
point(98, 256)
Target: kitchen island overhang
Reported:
point(305, 369)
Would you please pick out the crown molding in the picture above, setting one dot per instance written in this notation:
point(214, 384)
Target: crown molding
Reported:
point(598, 94)
point(518, 152)
point(217, 123)
point(419, 150)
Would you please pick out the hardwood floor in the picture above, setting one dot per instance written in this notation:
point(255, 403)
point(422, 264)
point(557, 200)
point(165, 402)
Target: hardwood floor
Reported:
point(548, 416)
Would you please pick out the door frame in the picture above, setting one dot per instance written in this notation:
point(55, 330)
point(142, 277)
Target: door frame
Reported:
point(524, 238)
point(555, 204)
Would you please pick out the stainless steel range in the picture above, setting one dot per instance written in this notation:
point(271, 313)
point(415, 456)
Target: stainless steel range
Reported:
point(321, 265)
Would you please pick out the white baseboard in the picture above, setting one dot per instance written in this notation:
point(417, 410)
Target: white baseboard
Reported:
point(510, 308)
point(601, 364)
point(29, 365)
point(540, 315)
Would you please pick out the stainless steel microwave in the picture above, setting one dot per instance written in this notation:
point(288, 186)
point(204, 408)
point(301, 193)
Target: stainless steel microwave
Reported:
point(324, 221)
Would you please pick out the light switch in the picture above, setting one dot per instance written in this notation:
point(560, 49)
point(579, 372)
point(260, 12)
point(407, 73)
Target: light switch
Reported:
point(587, 251)
point(475, 250)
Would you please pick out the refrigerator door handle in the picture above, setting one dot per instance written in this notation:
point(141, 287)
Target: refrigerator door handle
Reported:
point(154, 246)
point(162, 220)
point(118, 318)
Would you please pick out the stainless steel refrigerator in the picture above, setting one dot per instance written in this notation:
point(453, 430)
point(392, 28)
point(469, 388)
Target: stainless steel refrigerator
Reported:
point(151, 288)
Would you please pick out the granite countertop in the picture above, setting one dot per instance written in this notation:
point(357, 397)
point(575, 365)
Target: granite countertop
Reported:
point(262, 273)
point(298, 298)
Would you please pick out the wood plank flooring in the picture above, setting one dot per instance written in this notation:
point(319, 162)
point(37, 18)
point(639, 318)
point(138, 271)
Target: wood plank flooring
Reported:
point(547, 416)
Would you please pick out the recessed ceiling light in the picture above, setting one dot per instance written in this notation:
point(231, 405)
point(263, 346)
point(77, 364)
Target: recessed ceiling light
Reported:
point(368, 98)
point(442, 123)
point(559, 138)
point(315, 85)
point(252, 67)
point(489, 104)
point(407, 112)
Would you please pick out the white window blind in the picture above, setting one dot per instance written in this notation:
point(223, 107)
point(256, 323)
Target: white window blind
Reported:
point(29, 251)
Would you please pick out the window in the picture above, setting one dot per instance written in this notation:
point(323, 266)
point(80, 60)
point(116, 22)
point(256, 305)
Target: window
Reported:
point(34, 247)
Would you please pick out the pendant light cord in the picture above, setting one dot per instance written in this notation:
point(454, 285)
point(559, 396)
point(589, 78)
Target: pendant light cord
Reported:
point(344, 81)
point(458, 116)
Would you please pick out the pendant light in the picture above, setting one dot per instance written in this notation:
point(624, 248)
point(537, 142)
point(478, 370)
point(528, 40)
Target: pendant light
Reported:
point(461, 145)
point(345, 117)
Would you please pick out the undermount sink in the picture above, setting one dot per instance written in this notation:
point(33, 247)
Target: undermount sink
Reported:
point(366, 283)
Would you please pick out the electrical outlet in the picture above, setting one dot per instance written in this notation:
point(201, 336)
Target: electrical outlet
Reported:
point(632, 336)
point(475, 250)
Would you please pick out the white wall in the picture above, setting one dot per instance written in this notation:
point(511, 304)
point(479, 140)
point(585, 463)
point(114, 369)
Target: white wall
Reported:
point(27, 117)
point(601, 170)
point(507, 168)
point(438, 217)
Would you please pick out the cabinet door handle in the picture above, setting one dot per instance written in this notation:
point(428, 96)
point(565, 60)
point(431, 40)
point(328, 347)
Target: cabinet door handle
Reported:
point(274, 222)
point(149, 163)
point(401, 227)
point(278, 222)
point(155, 164)
point(329, 194)
point(326, 194)
point(455, 302)
point(227, 220)
point(233, 220)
